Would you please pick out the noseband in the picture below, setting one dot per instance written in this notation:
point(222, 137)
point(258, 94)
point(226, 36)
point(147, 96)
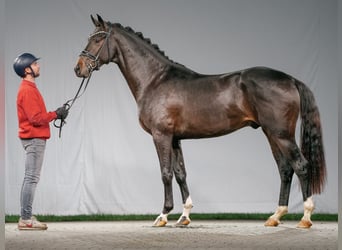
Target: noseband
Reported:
point(94, 64)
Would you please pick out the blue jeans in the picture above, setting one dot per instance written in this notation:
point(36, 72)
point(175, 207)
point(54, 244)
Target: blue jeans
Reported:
point(35, 149)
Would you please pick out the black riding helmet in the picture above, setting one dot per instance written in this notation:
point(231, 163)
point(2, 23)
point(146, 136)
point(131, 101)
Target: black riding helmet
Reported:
point(22, 62)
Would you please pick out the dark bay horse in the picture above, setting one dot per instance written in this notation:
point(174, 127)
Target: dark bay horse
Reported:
point(176, 103)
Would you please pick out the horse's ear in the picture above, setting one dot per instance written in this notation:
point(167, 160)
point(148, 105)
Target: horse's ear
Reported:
point(100, 20)
point(95, 22)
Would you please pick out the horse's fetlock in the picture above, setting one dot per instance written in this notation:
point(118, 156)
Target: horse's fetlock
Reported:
point(309, 204)
point(167, 209)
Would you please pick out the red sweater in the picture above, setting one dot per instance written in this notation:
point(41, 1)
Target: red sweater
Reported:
point(32, 115)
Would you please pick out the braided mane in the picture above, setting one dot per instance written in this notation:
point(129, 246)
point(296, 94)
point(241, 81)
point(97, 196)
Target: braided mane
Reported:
point(146, 40)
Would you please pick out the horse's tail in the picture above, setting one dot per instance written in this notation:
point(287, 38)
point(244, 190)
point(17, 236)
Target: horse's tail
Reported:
point(311, 139)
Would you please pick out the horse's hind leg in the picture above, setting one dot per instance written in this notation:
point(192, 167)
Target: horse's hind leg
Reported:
point(301, 170)
point(290, 160)
point(180, 174)
point(300, 166)
point(286, 174)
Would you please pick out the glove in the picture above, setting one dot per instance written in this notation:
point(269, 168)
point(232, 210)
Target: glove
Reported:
point(62, 113)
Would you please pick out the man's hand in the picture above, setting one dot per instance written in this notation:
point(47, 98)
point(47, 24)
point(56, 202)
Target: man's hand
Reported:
point(62, 113)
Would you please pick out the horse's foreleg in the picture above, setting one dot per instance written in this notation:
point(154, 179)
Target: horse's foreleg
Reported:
point(180, 173)
point(163, 146)
point(184, 219)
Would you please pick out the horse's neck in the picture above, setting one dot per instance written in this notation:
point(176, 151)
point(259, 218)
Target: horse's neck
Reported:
point(139, 63)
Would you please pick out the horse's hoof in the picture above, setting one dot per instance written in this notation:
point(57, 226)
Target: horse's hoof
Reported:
point(304, 224)
point(271, 222)
point(159, 222)
point(183, 221)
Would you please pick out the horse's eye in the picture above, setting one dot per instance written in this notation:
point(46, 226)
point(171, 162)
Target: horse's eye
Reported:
point(98, 39)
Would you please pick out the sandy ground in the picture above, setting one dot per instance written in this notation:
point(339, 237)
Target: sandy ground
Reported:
point(221, 234)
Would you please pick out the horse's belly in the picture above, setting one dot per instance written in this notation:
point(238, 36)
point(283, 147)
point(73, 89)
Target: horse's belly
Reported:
point(209, 125)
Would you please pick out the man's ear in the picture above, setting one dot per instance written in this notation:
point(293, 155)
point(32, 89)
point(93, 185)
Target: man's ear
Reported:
point(27, 70)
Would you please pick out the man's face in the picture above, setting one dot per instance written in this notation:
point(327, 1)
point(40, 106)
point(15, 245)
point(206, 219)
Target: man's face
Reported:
point(35, 68)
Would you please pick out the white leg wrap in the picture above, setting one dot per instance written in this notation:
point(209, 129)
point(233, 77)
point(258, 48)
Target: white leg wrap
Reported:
point(161, 220)
point(281, 210)
point(308, 208)
point(187, 207)
point(184, 219)
point(274, 219)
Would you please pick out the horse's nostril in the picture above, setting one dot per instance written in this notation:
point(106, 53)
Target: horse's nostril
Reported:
point(77, 69)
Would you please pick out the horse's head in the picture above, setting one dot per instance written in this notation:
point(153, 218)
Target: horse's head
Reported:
point(98, 51)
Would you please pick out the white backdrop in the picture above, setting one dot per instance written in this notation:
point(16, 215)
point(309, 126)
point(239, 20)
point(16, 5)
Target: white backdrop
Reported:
point(105, 163)
point(2, 127)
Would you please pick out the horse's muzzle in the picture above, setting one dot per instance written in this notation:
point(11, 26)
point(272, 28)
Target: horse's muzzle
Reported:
point(81, 70)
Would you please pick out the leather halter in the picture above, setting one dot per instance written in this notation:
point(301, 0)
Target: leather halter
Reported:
point(94, 65)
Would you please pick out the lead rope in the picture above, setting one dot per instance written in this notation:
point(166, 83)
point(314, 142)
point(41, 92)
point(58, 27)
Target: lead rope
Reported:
point(91, 68)
point(70, 103)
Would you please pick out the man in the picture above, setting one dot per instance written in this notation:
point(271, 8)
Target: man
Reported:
point(34, 130)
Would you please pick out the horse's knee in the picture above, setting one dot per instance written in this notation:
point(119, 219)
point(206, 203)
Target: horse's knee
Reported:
point(180, 177)
point(180, 172)
point(167, 178)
